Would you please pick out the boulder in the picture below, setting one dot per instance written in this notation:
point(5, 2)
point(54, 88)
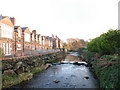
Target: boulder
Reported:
point(18, 65)
point(35, 64)
point(8, 72)
point(20, 70)
point(48, 65)
point(6, 66)
point(27, 69)
point(34, 60)
point(56, 81)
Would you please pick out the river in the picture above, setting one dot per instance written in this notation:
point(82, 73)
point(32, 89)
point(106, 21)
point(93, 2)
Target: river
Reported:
point(63, 75)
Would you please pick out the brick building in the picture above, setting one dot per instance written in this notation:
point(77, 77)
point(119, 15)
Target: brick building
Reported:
point(7, 35)
point(17, 40)
point(26, 39)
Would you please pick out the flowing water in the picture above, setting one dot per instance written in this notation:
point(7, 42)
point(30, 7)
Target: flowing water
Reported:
point(66, 74)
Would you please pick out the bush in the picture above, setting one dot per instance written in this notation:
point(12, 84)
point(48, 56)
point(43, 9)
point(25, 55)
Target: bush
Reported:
point(86, 55)
point(108, 76)
point(107, 43)
point(107, 73)
point(110, 57)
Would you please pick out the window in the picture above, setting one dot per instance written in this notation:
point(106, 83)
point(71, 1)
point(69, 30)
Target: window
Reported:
point(7, 31)
point(27, 37)
point(19, 34)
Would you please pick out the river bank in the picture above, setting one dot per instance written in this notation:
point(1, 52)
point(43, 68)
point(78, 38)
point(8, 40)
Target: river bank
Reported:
point(18, 70)
point(105, 67)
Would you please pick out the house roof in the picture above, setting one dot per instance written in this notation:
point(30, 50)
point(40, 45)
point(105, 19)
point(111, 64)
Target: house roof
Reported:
point(23, 28)
point(50, 38)
point(47, 37)
point(2, 17)
point(16, 27)
point(39, 35)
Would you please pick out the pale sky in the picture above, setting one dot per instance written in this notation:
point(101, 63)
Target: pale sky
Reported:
point(82, 19)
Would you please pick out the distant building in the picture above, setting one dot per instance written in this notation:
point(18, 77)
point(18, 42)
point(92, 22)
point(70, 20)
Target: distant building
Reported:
point(53, 42)
point(33, 40)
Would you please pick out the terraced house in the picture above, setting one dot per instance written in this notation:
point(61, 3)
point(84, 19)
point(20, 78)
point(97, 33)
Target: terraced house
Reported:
point(7, 35)
point(33, 40)
point(26, 39)
point(17, 40)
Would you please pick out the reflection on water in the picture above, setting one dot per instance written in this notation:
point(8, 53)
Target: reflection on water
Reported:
point(72, 58)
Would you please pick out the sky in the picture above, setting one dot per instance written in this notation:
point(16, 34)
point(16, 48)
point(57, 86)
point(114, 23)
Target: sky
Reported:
point(84, 19)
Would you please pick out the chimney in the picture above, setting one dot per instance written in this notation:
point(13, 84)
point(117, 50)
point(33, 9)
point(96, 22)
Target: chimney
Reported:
point(56, 37)
point(13, 20)
point(34, 31)
point(52, 36)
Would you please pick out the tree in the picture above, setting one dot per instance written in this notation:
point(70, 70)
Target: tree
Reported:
point(75, 43)
point(106, 43)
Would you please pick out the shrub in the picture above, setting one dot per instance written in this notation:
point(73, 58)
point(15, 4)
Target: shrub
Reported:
point(86, 55)
point(107, 43)
point(108, 76)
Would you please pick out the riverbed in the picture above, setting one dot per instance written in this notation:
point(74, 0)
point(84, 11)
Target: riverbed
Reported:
point(66, 74)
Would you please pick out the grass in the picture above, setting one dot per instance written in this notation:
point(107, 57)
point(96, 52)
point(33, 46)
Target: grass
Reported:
point(8, 81)
point(15, 79)
point(38, 69)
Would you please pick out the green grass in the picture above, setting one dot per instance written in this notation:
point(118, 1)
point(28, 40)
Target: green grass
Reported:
point(8, 81)
point(15, 79)
point(38, 69)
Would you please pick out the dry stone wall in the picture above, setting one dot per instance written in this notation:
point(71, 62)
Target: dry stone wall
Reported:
point(20, 65)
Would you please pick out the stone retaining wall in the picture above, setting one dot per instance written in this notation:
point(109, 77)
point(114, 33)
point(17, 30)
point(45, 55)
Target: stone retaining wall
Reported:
point(25, 64)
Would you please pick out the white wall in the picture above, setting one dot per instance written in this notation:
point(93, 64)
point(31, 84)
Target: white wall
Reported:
point(7, 31)
point(27, 37)
point(19, 33)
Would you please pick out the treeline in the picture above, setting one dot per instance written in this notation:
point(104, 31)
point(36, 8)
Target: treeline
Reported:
point(74, 44)
point(107, 43)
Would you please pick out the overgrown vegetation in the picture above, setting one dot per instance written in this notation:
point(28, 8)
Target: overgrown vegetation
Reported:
point(103, 54)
